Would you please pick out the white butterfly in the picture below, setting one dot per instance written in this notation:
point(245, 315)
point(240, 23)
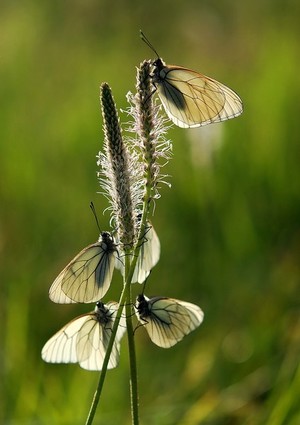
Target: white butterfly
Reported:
point(167, 320)
point(148, 256)
point(87, 277)
point(191, 99)
point(84, 340)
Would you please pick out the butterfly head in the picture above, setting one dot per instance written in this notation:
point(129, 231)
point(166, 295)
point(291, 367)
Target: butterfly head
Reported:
point(107, 239)
point(159, 71)
point(99, 305)
point(142, 306)
point(105, 236)
point(102, 313)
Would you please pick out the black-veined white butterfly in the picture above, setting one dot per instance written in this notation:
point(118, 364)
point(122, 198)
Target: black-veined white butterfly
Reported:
point(84, 340)
point(148, 256)
point(87, 277)
point(167, 320)
point(191, 99)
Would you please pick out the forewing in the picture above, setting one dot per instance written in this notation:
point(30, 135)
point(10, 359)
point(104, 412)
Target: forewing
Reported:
point(193, 100)
point(61, 348)
point(195, 313)
point(86, 278)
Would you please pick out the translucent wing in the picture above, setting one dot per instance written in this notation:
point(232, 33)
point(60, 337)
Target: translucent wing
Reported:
point(93, 339)
point(148, 256)
point(61, 348)
point(167, 320)
point(87, 277)
point(192, 99)
point(85, 339)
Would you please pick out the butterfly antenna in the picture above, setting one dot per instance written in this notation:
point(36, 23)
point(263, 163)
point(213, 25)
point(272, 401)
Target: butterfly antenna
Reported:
point(145, 40)
point(92, 207)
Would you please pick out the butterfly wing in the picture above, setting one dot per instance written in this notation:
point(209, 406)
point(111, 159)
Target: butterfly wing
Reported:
point(168, 320)
point(92, 343)
point(113, 308)
point(94, 336)
point(86, 278)
point(194, 312)
point(148, 256)
point(61, 347)
point(193, 100)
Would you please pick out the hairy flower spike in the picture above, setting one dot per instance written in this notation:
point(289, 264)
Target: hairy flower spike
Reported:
point(117, 169)
point(147, 122)
point(150, 128)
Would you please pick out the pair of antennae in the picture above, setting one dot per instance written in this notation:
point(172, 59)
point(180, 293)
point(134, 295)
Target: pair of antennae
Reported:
point(145, 40)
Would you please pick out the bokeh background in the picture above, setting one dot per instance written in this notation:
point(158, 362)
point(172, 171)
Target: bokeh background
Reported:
point(229, 226)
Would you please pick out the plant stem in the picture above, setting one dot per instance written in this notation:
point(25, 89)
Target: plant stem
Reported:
point(125, 295)
point(98, 391)
point(132, 355)
point(122, 302)
point(147, 124)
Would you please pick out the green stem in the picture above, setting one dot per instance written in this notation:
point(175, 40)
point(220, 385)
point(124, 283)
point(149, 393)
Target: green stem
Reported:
point(122, 302)
point(125, 298)
point(98, 391)
point(132, 356)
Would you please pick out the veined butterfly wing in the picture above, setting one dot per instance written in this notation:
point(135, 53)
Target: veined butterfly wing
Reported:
point(84, 340)
point(148, 256)
point(167, 320)
point(87, 277)
point(191, 99)
point(93, 338)
point(61, 347)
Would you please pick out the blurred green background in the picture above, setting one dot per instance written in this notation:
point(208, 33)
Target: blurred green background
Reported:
point(229, 226)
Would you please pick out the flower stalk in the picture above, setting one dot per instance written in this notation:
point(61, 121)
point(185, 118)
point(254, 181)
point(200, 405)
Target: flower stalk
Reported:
point(130, 177)
point(130, 196)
